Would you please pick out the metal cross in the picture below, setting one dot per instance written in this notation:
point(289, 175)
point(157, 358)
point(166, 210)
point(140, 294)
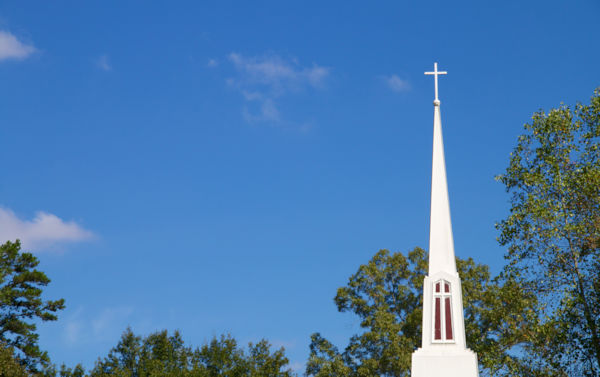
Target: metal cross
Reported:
point(435, 73)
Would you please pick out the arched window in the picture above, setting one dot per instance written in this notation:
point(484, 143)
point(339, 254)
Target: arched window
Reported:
point(442, 312)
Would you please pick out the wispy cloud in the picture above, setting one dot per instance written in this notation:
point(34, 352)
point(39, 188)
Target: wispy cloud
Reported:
point(72, 332)
point(107, 319)
point(267, 111)
point(12, 48)
point(396, 83)
point(277, 74)
point(44, 231)
point(103, 63)
point(212, 63)
point(262, 80)
point(73, 327)
point(81, 327)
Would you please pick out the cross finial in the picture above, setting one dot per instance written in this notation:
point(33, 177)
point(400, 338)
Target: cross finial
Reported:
point(435, 73)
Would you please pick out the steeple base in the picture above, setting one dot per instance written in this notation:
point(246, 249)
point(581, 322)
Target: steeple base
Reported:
point(444, 362)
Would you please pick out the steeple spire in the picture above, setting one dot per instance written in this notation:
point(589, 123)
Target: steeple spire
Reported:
point(441, 243)
point(443, 349)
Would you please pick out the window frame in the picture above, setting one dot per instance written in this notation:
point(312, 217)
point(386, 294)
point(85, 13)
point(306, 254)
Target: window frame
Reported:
point(442, 295)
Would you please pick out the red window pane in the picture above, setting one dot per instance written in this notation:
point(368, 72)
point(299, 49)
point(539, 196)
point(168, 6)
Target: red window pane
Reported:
point(438, 320)
point(448, 319)
point(447, 287)
point(437, 287)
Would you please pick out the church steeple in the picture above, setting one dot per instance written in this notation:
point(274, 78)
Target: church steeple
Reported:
point(443, 350)
point(441, 243)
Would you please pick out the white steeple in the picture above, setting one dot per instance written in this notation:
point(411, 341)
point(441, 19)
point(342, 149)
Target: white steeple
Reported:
point(441, 244)
point(443, 351)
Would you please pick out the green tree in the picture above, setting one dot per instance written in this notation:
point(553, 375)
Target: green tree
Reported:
point(553, 232)
point(63, 371)
point(21, 304)
point(9, 364)
point(164, 355)
point(387, 295)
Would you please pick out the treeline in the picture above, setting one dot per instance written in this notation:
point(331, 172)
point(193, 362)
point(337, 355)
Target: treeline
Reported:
point(539, 317)
point(161, 354)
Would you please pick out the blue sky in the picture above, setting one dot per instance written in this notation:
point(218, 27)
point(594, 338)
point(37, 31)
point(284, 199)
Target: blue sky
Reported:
point(225, 166)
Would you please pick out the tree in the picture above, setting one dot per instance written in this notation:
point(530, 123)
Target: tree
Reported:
point(21, 304)
point(387, 295)
point(164, 355)
point(63, 371)
point(553, 232)
point(9, 365)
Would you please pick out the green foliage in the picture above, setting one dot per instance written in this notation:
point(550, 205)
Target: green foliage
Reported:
point(64, 371)
point(553, 233)
point(387, 295)
point(164, 355)
point(9, 364)
point(21, 304)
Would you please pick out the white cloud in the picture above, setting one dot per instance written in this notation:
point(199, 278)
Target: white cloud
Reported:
point(212, 63)
point(267, 112)
point(44, 231)
point(103, 63)
point(316, 75)
point(12, 48)
point(110, 320)
point(252, 96)
point(73, 331)
point(262, 80)
point(396, 83)
point(276, 74)
point(83, 327)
